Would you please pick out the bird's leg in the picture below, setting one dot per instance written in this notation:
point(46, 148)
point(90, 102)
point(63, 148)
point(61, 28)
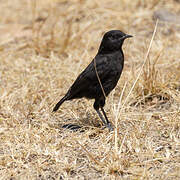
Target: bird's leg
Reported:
point(101, 117)
point(99, 103)
point(108, 123)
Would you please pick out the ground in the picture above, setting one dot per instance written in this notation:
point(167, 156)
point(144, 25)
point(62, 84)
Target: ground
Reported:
point(44, 45)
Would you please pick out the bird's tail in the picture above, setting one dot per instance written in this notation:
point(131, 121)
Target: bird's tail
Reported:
point(59, 103)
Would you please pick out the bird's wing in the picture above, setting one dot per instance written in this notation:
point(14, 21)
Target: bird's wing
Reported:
point(89, 76)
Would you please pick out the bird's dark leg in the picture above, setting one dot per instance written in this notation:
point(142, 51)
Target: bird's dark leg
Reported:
point(108, 123)
point(101, 117)
point(99, 103)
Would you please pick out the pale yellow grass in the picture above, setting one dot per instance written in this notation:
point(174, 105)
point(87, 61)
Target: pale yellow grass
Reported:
point(44, 45)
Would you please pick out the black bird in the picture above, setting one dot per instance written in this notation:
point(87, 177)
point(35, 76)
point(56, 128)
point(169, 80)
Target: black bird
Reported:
point(101, 75)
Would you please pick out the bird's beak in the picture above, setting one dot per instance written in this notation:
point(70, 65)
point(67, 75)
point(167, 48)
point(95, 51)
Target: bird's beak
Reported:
point(127, 36)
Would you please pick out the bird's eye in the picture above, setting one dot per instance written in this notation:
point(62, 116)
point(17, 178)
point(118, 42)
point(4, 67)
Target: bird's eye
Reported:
point(111, 37)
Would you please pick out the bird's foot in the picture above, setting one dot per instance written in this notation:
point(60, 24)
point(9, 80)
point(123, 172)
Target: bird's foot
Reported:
point(109, 126)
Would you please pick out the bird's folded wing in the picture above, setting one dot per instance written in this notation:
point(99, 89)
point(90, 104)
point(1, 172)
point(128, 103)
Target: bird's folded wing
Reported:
point(89, 76)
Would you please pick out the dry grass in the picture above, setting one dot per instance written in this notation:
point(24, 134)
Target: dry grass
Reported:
point(44, 45)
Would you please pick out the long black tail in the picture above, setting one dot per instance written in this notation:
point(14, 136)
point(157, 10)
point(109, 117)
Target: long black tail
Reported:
point(59, 103)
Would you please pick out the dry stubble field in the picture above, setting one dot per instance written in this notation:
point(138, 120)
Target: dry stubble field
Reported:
point(44, 45)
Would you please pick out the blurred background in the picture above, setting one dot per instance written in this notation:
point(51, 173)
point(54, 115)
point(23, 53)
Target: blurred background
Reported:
point(56, 25)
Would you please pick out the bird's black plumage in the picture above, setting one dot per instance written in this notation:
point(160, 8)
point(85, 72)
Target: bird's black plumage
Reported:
point(101, 75)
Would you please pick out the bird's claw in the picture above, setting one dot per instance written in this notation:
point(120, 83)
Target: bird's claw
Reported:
point(109, 126)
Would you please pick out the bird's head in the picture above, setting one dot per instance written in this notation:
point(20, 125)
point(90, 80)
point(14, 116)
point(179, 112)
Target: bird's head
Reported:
point(112, 41)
